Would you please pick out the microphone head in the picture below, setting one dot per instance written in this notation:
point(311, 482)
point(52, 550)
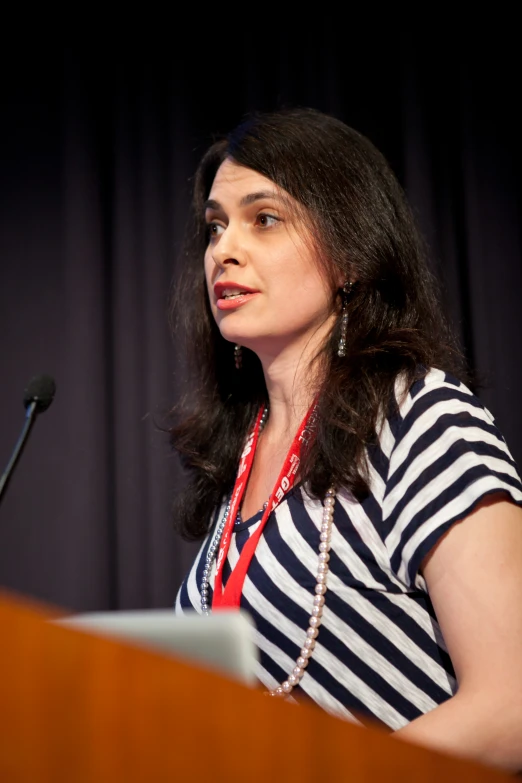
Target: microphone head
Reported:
point(40, 390)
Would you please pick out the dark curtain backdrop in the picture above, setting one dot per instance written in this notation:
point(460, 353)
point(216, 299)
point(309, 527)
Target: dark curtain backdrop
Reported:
point(98, 142)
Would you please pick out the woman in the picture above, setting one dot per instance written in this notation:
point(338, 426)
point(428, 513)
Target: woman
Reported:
point(352, 494)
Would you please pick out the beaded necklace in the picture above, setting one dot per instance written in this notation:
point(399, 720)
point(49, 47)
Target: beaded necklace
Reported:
point(315, 619)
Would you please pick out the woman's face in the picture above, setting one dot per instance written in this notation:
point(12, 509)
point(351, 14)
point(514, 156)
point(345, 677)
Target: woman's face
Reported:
point(266, 289)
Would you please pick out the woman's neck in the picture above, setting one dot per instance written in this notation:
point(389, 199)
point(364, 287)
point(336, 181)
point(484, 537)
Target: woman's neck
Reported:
point(292, 386)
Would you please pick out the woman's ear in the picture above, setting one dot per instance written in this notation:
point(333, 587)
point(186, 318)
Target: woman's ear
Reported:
point(345, 283)
point(343, 277)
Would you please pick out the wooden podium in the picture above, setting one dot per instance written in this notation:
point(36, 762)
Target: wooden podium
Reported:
point(78, 707)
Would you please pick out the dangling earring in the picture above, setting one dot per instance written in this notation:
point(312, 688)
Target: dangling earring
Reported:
point(341, 349)
point(238, 356)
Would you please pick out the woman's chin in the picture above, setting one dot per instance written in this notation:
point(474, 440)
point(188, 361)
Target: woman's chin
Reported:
point(239, 337)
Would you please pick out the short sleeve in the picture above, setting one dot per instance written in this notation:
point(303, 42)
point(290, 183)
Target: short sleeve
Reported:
point(447, 456)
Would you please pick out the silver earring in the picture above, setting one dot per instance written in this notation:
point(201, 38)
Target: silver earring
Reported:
point(341, 349)
point(238, 356)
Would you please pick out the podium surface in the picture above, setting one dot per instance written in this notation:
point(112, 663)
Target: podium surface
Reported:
point(76, 706)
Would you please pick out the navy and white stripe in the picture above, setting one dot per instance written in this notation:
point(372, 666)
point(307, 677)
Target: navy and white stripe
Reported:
point(380, 652)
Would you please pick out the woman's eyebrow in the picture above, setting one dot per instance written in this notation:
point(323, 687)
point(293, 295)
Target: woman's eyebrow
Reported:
point(258, 196)
point(245, 201)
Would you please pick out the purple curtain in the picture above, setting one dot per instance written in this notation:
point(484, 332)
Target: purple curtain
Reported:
point(98, 145)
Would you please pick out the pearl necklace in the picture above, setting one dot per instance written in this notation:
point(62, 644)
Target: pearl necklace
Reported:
point(315, 620)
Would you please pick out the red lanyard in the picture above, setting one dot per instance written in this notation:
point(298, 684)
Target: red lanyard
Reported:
point(230, 596)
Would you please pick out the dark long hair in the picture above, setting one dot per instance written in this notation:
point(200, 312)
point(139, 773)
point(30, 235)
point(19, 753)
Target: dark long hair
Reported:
point(363, 228)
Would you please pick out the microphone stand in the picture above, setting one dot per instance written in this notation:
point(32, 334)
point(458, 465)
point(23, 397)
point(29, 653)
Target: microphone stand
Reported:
point(30, 418)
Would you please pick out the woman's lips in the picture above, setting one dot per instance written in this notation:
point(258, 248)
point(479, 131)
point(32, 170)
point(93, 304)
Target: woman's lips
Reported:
point(235, 301)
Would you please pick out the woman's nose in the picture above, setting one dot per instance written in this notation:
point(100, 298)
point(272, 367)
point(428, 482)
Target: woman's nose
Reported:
point(227, 250)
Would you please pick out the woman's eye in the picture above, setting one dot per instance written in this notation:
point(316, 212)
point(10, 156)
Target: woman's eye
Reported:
point(266, 221)
point(214, 230)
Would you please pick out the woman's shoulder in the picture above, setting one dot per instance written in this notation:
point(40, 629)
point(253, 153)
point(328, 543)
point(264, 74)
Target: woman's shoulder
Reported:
point(437, 406)
point(435, 388)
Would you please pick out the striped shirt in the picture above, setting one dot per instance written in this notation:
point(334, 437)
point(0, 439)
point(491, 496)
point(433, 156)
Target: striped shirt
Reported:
point(380, 652)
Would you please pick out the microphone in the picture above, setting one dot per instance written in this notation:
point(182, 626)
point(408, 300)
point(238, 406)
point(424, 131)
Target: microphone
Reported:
point(37, 398)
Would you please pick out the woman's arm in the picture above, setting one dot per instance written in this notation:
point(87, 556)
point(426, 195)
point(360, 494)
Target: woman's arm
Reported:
point(474, 577)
